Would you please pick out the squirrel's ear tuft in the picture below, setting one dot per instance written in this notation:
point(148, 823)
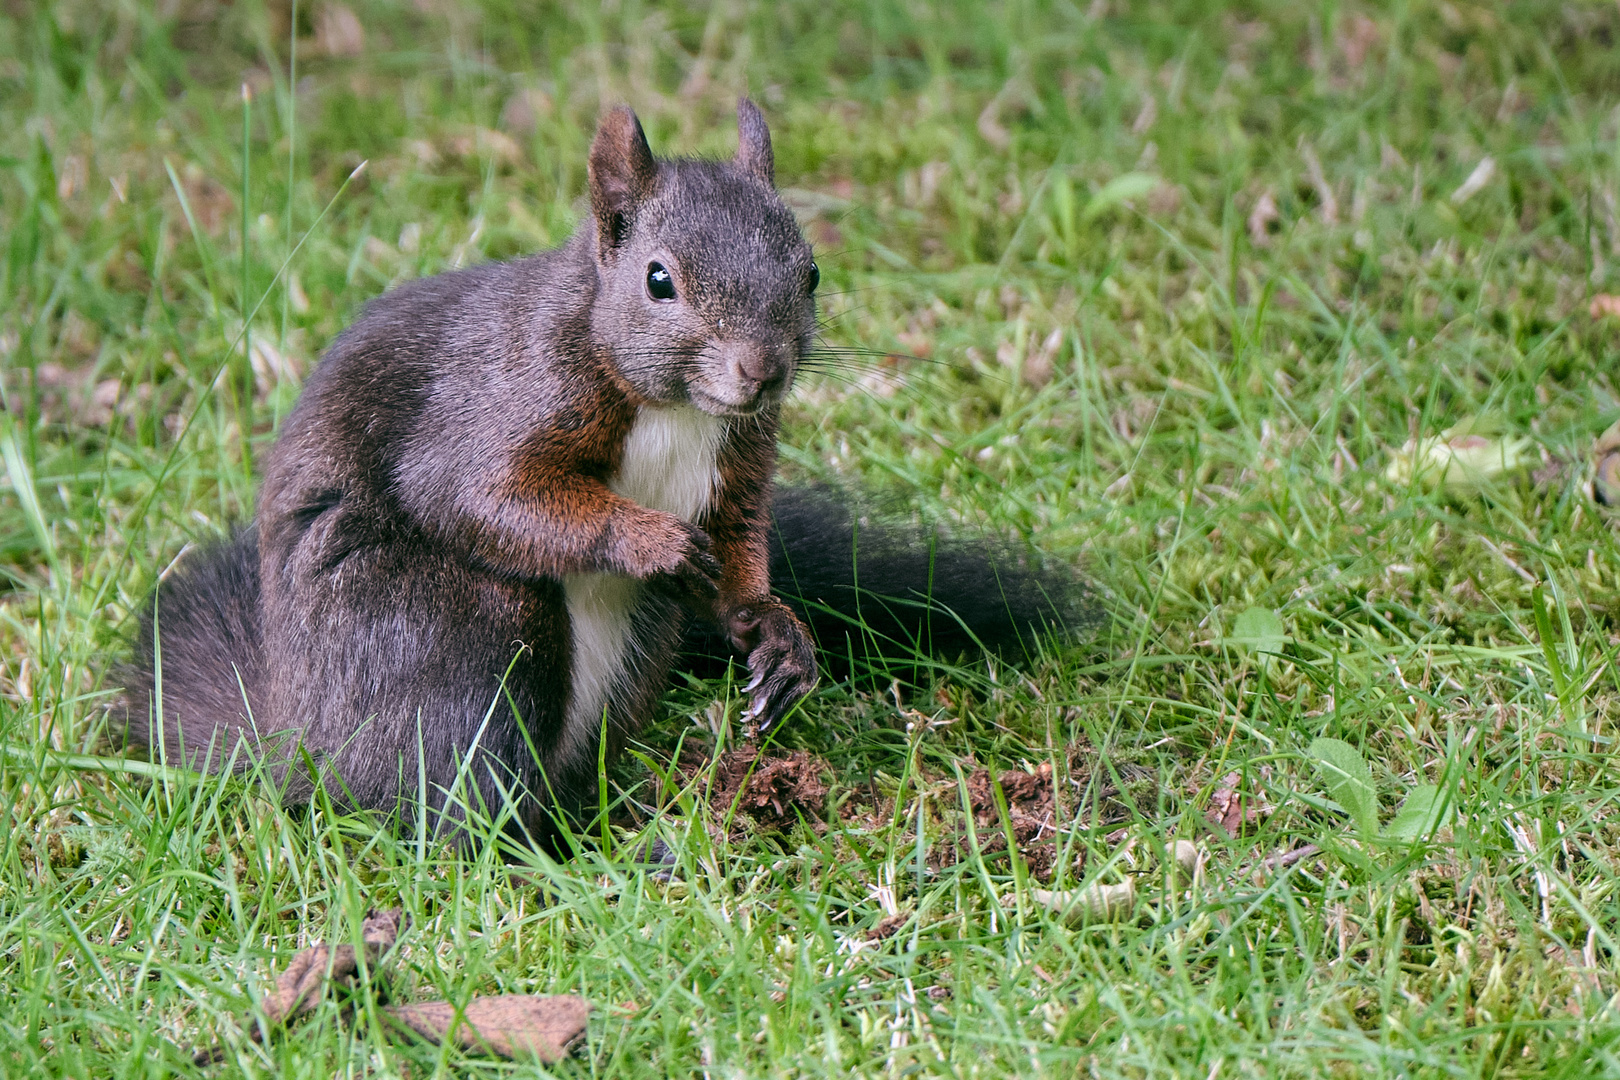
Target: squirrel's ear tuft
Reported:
point(622, 171)
point(754, 155)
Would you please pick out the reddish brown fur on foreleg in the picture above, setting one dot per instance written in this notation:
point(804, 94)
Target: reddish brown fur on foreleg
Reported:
point(575, 524)
point(781, 656)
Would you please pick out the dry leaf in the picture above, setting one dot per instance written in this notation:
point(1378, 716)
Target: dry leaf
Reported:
point(304, 982)
point(921, 185)
point(481, 142)
point(1356, 39)
point(1551, 472)
point(1235, 810)
point(311, 971)
point(271, 366)
point(1035, 364)
point(338, 31)
point(1604, 304)
point(1606, 481)
point(824, 234)
point(509, 1025)
point(1039, 364)
point(1164, 200)
point(1014, 98)
point(917, 343)
point(1476, 181)
point(991, 128)
point(72, 175)
point(212, 206)
point(1262, 218)
point(523, 111)
point(1146, 116)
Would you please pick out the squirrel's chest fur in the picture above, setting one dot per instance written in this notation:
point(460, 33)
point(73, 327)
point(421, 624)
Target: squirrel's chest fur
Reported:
point(670, 463)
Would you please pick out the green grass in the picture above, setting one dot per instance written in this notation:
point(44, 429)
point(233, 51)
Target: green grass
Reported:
point(998, 192)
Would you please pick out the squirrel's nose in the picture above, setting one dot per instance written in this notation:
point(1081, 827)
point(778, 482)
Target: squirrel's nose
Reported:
point(753, 363)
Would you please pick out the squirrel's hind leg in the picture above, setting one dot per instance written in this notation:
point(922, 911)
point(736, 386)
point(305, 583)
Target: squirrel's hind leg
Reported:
point(421, 685)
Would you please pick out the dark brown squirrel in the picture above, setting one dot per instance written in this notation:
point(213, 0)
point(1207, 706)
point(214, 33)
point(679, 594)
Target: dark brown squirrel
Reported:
point(505, 491)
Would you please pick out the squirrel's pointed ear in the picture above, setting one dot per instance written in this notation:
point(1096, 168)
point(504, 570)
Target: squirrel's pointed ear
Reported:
point(622, 171)
point(754, 155)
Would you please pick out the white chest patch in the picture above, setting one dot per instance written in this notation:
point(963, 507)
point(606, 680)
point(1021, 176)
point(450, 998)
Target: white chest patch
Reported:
point(670, 463)
point(670, 460)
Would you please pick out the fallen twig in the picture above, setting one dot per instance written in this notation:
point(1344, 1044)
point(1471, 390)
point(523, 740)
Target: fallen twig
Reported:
point(1284, 859)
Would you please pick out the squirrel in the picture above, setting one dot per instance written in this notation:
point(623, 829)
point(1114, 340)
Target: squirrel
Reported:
point(506, 490)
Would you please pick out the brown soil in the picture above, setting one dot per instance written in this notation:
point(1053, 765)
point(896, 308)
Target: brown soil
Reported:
point(1030, 801)
point(777, 792)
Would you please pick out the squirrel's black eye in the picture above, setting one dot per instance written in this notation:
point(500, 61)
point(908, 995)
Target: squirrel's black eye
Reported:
point(815, 276)
point(660, 286)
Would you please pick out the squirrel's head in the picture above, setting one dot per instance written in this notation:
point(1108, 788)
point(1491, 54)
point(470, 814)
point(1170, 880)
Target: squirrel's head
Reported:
point(706, 284)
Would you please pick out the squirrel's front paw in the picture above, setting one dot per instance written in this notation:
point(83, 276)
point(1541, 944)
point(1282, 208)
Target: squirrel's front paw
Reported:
point(781, 661)
point(675, 556)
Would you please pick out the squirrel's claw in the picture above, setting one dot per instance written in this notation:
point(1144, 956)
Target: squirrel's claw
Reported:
point(775, 703)
point(783, 666)
point(701, 575)
point(696, 577)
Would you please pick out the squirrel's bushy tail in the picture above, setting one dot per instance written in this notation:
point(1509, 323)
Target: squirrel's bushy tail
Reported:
point(212, 657)
point(875, 591)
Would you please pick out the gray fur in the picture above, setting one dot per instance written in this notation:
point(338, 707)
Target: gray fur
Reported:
point(401, 588)
point(398, 601)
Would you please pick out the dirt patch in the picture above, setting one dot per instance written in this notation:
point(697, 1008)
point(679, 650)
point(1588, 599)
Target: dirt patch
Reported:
point(1027, 793)
point(887, 926)
point(1030, 805)
point(775, 791)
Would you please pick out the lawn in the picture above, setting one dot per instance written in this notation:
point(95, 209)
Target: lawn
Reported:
point(1198, 298)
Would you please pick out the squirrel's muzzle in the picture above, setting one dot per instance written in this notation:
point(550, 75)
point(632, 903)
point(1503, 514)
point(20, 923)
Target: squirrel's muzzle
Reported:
point(746, 373)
